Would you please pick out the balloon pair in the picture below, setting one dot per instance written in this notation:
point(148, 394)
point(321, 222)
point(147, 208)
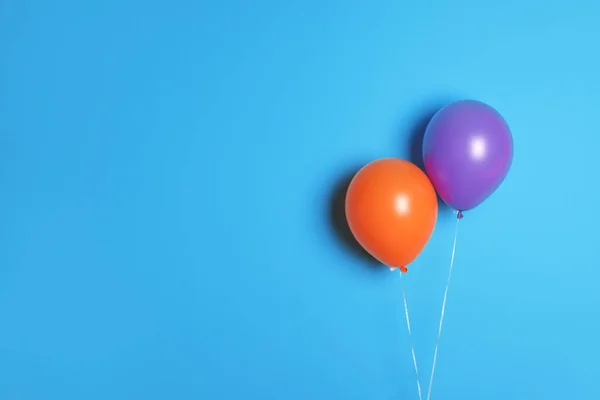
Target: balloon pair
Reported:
point(391, 205)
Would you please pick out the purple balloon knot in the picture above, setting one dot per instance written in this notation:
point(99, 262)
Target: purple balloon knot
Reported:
point(460, 215)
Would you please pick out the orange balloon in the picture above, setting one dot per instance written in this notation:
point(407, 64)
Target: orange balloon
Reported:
point(391, 208)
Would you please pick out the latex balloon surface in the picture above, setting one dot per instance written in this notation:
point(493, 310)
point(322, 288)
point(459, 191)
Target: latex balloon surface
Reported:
point(391, 208)
point(468, 151)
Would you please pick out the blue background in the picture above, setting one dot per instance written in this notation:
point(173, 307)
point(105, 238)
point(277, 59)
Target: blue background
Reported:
point(172, 174)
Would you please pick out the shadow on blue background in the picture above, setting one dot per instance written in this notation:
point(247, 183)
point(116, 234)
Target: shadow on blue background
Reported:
point(171, 174)
point(340, 224)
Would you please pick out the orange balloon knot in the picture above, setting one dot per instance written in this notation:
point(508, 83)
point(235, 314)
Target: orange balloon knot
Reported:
point(404, 269)
point(460, 215)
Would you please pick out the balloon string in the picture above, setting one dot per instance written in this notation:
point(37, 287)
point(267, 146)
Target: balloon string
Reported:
point(437, 344)
point(412, 347)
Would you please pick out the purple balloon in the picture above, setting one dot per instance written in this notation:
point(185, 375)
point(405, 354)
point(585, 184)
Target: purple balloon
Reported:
point(468, 150)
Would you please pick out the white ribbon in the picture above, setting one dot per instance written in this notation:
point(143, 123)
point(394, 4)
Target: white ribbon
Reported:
point(412, 346)
point(437, 344)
